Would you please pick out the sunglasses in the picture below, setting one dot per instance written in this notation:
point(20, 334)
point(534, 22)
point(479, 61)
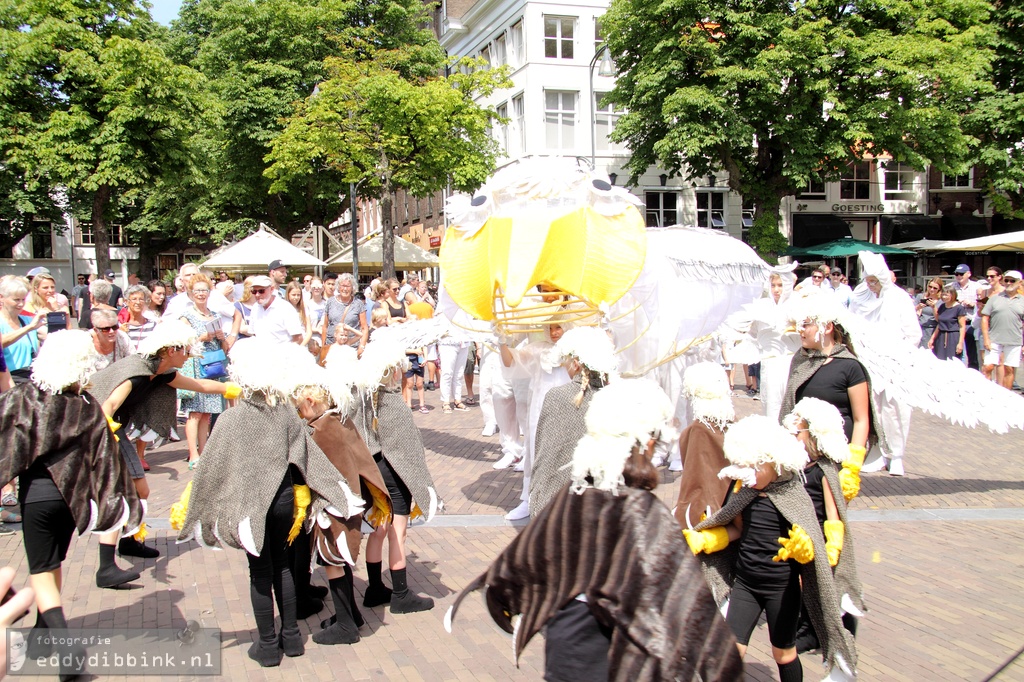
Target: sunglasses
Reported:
point(106, 329)
point(395, 289)
point(991, 276)
point(258, 290)
point(176, 349)
point(1010, 280)
point(817, 277)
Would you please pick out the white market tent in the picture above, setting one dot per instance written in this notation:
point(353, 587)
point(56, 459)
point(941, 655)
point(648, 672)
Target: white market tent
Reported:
point(1011, 241)
point(408, 256)
point(257, 250)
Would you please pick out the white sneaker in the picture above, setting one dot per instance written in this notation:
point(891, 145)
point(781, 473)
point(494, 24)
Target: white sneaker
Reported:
point(520, 465)
point(519, 513)
point(505, 462)
point(489, 430)
point(896, 467)
point(675, 465)
point(873, 466)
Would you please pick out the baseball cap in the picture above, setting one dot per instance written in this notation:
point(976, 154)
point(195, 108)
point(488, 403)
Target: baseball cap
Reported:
point(108, 273)
point(262, 281)
point(275, 264)
point(962, 268)
point(836, 271)
point(1012, 274)
point(35, 272)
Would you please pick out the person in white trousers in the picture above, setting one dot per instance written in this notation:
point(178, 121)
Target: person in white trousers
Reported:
point(452, 355)
point(498, 405)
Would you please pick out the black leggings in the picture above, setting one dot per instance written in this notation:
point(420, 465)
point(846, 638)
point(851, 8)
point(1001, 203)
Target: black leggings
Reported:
point(577, 645)
point(780, 604)
point(270, 569)
point(48, 526)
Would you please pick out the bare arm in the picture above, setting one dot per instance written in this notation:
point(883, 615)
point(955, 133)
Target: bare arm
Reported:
point(198, 385)
point(962, 321)
point(12, 336)
point(114, 401)
point(5, 381)
point(236, 326)
point(831, 511)
point(860, 405)
point(364, 330)
point(984, 332)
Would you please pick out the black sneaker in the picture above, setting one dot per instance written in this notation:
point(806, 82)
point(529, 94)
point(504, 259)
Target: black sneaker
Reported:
point(410, 602)
point(112, 576)
point(132, 547)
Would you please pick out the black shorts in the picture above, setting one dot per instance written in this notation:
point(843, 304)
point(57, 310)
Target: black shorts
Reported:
point(401, 498)
point(131, 457)
point(576, 645)
point(779, 603)
point(415, 368)
point(47, 527)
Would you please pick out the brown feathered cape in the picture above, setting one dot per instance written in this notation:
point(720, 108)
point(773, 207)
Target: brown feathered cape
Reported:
point(626, 554)
point(69, 433)
point(346, 450)
point(701, 491)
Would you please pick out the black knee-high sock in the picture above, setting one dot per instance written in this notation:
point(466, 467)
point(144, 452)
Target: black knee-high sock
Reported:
point(343, 606)
point(373, 573)
point(107, 555)
point(398, 581)
point(792, 671)
point(261, 583)
point(356, 615)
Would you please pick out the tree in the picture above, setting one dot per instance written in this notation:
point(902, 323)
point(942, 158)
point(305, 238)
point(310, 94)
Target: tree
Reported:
point(115, 112)
point(779, 93)
point(372, 121)
point(999, 118)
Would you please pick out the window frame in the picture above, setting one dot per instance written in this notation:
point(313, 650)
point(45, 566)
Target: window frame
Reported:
point(855, 182)
point(905, 179)
point(661, 210)
point(709, 212)
point(558, 40)
point(612, 115)
point(562, 121)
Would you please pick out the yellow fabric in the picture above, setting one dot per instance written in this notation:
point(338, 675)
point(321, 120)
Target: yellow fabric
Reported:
point(849, 479)
point(114, 426)
point(856, 459)
point(708, 541)
point(797, 546)
point(141, 534)
point(380, 513)
point(834, 534)
point(584, 253)
point(232, 390)
point(180, 508)
point(302, 500)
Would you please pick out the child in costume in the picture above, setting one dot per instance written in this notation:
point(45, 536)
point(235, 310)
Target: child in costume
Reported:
point(566, 569)
point(337, 538)
point(54, 435)
point(385, 423)
point(740, 549)
point(819, 426)
point(701, 491)
point(588, 355)
point(139, 392)
point(260, 473)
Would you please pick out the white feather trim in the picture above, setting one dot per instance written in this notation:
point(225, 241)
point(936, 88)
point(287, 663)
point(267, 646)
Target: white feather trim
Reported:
point(745, 475)
point(592, 347)
point(323, 520)
point(356, 504)
point(197, 533)
point(847, 605)
point(67, 358)
point(145, 511)
point(448, 620)
point(168, 334)
point(343, 549)
point(825, 425)
point(94, 513)
point(432, 507)
point(757, 440)
point(724, 608)
point(245, 536)
point(125, 513)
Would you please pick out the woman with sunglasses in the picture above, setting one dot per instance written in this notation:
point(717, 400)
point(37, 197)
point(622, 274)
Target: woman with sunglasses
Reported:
point(199, 406)
point(926, 310)
point(947, 339)
point(395, 308)
point(19, 333)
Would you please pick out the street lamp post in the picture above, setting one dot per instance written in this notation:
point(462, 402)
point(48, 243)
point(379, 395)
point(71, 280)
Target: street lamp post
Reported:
point(352, 189)
point(607, 69)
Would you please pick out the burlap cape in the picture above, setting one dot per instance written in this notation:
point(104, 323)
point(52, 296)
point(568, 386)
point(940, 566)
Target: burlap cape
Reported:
point(701, 491)
point(69, 434)
point(242, 467)
point(560, 426)
point(818, 588)
point(158, 411)
point(626, 554)
point(385, 423)
point(845, 571)
point(346, 450)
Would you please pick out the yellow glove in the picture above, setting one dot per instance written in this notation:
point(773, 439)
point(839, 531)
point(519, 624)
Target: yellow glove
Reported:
point(114, 426)
point(849, 475)
point(141, 534)
point(797, 546)
point(232, 390)
point(834, 533)
point(179, 510)
point(302, 500)
point(707, 541)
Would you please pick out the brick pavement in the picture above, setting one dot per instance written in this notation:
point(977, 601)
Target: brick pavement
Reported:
point(945, 596)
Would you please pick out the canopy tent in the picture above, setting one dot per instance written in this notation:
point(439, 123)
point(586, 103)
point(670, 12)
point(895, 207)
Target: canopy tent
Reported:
point(922, 245)
point(408, 256)
point(842, 248)
point(1011, 241)
point(257, 250)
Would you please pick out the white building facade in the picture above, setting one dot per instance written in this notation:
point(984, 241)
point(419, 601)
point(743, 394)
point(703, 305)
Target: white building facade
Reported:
point(561, 73)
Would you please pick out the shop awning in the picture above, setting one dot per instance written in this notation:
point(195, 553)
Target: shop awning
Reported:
point(959, 227)
point(810, 229)
point(899, 229)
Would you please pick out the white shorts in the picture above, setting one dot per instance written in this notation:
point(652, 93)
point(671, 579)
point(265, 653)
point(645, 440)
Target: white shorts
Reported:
point(1010, 355)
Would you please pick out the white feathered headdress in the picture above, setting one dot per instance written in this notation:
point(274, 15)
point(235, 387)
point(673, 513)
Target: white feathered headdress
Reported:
point(169, 334)
point(376, 366)
point(342, 373)
point(259, 366)
point(592, 347)
point(757, 440)
point(622, 416)
point(67, 358)
point(825, 425)
point(706, 386)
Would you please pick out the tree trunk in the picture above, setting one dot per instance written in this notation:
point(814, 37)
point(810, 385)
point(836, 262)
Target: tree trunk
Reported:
point(765, 237)
point(101, 237)
point(387, 235)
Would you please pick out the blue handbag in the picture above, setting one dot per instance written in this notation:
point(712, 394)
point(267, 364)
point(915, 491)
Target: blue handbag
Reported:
point(213, 364)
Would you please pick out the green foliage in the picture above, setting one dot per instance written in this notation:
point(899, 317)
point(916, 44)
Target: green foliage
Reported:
point(765, 237)
point(777, 93)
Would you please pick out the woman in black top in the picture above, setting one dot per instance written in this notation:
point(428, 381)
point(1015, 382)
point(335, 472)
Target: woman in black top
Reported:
point(395, 308)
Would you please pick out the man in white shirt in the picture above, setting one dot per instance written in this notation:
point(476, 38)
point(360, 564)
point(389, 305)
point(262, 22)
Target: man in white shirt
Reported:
point(273, 318)
point(411, 283)
point(967, 296)
point(179, 303)
point(842, 291)
point(819, 278)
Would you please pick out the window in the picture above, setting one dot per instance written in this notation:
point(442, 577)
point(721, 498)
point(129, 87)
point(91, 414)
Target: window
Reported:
point(500, 51)
point(42, 242)
point(711, 210)
point(748, 219)
point(661, 209)
point(558, 37)
point(501, 132)
point(957, 181)
point(899, 181)
point(115, 235)
point(519, 123)
point(85, 236)
point(430, 205)
point(598, 34)
point(605, 118)
point(485, 54)
point(814, 190)
point(855, 181)
point(560, 119)
point(516, 55)
point(415, 209)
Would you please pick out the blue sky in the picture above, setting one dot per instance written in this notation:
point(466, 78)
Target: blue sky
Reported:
point(165, 11)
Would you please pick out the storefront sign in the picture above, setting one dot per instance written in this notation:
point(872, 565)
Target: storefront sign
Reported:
point(858, 208)
point(435, 242)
